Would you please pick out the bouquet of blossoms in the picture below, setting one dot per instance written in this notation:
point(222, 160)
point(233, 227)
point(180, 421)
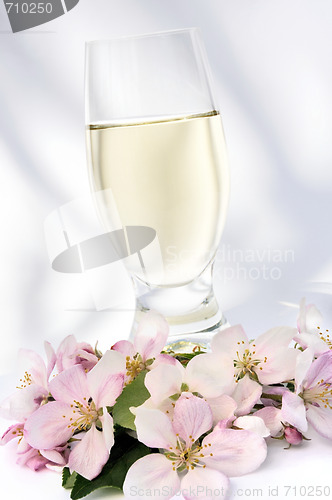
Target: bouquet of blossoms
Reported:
point(158, 424)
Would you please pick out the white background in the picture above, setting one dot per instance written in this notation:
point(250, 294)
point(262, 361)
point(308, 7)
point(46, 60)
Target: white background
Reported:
point(273, 76)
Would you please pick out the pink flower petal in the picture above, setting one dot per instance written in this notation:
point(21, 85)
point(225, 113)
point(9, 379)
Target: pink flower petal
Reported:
point(108, 433)
point(154, 428)
point(64, 352)
point(247, 393)
point(309, 318)
point(70, 385)
point(164, 381)
point(206, 484)
point(303, 363)
point(321, 369)
point(49, 426)
point(51, 359)
point(33, 364)
point(23, 403)
point(222, 407)
point(210, 375)
point(279, 367)
point(320, 419)
point(235, 452)
point(149, 475)
point(86, 359)
point(125, 347)
point(106, 379)
point(312, 341)
point(252, 423)
point(272, 419)
point(90, 455)
point(151, 335)
point(230, 340)
point(293, 411)
point(192, 417)
point(35, 463)
point(12, 433)
point(164, 359)
point(53, 456)
point(274, 340)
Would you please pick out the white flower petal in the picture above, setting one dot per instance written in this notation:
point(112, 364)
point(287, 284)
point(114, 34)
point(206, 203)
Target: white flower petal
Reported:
point(108, 432)
point(275, 339)
point(205, 484)
point(252, 423)
point(303, 363)
point(20, 405)
point(151, 477)
point(163, 381)
point(210, 375)
point(235, 452)
point(230, 340)
point(293, 411)
point(51, 358)
point(154, 428)
point(151, 335)
point(279, 367)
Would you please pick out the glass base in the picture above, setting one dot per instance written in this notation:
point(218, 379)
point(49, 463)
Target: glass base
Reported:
point(191, 311)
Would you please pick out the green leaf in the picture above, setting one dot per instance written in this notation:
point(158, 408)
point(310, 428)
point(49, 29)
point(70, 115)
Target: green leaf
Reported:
point(133, 394)
point(124, 453)
point(68, 480)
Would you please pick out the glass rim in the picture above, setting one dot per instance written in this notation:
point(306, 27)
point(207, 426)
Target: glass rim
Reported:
point(193, 29)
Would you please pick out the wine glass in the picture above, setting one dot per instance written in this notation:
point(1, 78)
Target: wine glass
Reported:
point(157, 153)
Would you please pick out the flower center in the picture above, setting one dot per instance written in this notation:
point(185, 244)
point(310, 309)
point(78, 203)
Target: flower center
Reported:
point(134, 366)
point(83, 415)
point(184, 457)
point(25, 381)
point(19, 433)
point(321, 395)
point(325, 336)
point(247, 363)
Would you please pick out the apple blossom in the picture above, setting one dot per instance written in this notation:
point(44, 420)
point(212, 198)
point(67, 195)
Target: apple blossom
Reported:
point(33, 388)
point(145, 350)
point(311, 335)
point(81, 401)
point(312, 400)
point(207, 460)
point(267, 360)
point(70, 353)
point(35, 459)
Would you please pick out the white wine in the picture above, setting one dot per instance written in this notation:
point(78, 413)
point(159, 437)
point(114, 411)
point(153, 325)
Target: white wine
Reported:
point(169, 175)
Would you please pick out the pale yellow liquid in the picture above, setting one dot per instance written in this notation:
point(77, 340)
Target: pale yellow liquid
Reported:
point(171, 176)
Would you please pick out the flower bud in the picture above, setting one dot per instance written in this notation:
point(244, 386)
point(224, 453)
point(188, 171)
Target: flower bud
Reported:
point(293, 436)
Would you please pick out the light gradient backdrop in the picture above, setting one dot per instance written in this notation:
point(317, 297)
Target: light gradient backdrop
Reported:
point(271, 61)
